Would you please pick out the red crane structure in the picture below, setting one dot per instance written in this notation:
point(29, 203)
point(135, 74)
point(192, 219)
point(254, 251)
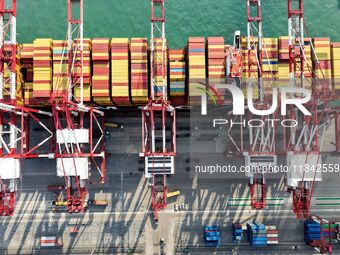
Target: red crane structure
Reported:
point(254, 40)
point(79, 142)
point(326, 235)
point(14, 118)
point(303, 143)
point(262, 145)
point(158, 116)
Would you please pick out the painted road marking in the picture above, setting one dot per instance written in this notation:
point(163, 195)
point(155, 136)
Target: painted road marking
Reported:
point(328, 204)
point(327, 201)
point(248, 199)
point(248, 204)
point(275, 201)
point(327, 198)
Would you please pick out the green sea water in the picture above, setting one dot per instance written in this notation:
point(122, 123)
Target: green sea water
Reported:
point(131, 18)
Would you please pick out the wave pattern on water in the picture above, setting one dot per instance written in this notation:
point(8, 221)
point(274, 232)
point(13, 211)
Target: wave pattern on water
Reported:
point(130, 18)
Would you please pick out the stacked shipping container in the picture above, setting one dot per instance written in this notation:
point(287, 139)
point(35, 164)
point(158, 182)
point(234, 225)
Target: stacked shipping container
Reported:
point(38, 81)
point(336, 66)
point(60, 68)
point(272, 235)
point(139, 70)
point(197, 67)
point(283, 48)
point(177, 75)
point(312, 232)
point(237, 233)
point(120, 71)
point(283, 65)
point(216, 62)
point(212, 236)
point(257, 234)
point(42, 68)
point(216, 58)
point(101, 71)
point(86, 72)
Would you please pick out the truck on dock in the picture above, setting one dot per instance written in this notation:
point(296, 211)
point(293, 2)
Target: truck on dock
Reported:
point(173, 193)
point(98, 202)
point(113, 125)
point(55, 187)
point(60, 203)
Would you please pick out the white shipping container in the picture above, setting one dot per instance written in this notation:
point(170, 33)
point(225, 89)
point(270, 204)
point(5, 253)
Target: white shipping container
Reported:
point(272, 242)
point(48, 241)
point(272, 235)
point(271, 227)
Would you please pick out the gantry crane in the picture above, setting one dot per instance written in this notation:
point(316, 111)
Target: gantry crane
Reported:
point(303, 144)
point(158, 116)
point(15, 119)
point(262, 145)
point(80, 145)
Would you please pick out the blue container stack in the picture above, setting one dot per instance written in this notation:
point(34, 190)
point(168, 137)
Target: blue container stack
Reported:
point(257, 234)
point(237, 233)
point(312, 231)
point(212, 236)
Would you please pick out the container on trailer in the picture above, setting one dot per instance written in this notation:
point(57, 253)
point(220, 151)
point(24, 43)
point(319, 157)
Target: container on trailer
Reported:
point(55, 187)
point(98, 202)
point(49, 241)
point(173, 193)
